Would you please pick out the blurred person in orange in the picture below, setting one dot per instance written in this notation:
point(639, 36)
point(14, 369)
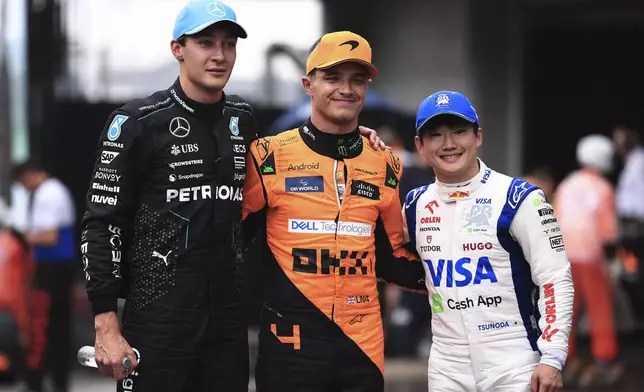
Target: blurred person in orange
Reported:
point(50, 231)
point(16, 268)
point(585, 205)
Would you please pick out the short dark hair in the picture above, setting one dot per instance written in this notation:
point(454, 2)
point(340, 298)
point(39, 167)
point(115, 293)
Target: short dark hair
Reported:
point(630, 132)
point(17, 171)
point(448, 120)
point(541, 173)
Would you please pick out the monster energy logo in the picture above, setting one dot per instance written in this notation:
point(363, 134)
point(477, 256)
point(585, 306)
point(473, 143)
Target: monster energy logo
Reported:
point(437, 303)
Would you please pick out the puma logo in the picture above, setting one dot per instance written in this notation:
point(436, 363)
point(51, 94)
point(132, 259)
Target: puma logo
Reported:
point(162, 257)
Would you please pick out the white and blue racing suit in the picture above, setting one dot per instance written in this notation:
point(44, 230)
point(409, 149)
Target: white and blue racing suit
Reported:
point(498, 278)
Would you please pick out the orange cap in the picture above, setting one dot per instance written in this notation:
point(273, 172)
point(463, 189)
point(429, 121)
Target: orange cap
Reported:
point(340, 47)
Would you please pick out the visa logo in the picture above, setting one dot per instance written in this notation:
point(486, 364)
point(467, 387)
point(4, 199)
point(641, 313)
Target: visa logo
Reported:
point(486, 176)
point(457, 273)
point(481, 200)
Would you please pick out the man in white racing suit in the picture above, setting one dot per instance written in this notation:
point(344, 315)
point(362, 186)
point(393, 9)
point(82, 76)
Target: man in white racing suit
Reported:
point(499, 281)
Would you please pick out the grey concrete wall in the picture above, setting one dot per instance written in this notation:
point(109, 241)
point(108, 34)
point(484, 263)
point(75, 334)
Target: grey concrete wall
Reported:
point(463, 45)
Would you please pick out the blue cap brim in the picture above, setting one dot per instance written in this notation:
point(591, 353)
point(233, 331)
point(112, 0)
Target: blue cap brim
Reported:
point(240, 31)
point(464, 117)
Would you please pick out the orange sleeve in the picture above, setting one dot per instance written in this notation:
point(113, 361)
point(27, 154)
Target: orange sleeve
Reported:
point(20, 280)
point(394, 263)
point(255, 191)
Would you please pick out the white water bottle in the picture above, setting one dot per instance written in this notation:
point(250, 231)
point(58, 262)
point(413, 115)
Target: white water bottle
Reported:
point(87, 357)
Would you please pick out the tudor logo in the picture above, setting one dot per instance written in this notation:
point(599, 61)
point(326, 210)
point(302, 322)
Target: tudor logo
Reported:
point(216, 9)
point(179, 127)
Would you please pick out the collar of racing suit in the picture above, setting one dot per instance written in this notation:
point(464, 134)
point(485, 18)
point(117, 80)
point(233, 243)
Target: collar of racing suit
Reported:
point(463, 190)
point(208, 112)
point(338, 147)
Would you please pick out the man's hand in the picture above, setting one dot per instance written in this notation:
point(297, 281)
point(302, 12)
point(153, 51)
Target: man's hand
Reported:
point(373, 138)
point(111, 347)
point(546, 379)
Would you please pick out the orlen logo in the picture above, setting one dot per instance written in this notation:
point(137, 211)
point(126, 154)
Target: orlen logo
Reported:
point(430, 219)
point(551, 312)
point(458, 273)
point(477, 246)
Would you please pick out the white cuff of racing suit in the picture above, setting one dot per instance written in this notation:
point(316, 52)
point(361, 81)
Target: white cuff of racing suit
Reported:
point(554, 357)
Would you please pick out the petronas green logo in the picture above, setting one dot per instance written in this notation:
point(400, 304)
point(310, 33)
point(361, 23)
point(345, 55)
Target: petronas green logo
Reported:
point(437, 303)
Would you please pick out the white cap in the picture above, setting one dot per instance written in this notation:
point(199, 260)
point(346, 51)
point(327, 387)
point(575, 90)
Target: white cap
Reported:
point(596, 151)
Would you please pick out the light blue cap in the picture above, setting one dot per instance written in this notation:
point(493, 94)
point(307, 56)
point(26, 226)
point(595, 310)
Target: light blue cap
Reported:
point(445, 102)
point(200, 14)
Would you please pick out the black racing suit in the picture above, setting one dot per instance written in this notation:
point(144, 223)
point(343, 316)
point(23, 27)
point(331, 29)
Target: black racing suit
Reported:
point(162, 229)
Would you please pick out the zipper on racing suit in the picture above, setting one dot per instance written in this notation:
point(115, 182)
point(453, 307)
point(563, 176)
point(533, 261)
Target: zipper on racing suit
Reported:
point(340, 181)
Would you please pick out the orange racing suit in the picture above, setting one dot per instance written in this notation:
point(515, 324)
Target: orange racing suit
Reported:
point(329, 199)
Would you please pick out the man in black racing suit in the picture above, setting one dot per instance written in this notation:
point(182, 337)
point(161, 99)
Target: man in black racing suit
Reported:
point(162, 227)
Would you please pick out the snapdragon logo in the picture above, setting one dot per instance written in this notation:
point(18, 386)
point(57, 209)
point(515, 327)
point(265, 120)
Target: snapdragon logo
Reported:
point(329, 227)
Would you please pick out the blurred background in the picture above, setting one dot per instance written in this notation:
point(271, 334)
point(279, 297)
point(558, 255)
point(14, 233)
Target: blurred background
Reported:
point(542, 74)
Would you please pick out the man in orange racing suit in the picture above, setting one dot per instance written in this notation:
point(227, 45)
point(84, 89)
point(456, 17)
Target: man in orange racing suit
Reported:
point(16, 272)
point(330, 199)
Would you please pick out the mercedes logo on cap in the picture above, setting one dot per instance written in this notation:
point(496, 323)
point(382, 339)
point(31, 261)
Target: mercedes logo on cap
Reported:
point(179, 127)
point(216, 9)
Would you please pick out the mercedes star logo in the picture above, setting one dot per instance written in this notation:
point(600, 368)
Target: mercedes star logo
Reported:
point(216, 9)
point(179, 127)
